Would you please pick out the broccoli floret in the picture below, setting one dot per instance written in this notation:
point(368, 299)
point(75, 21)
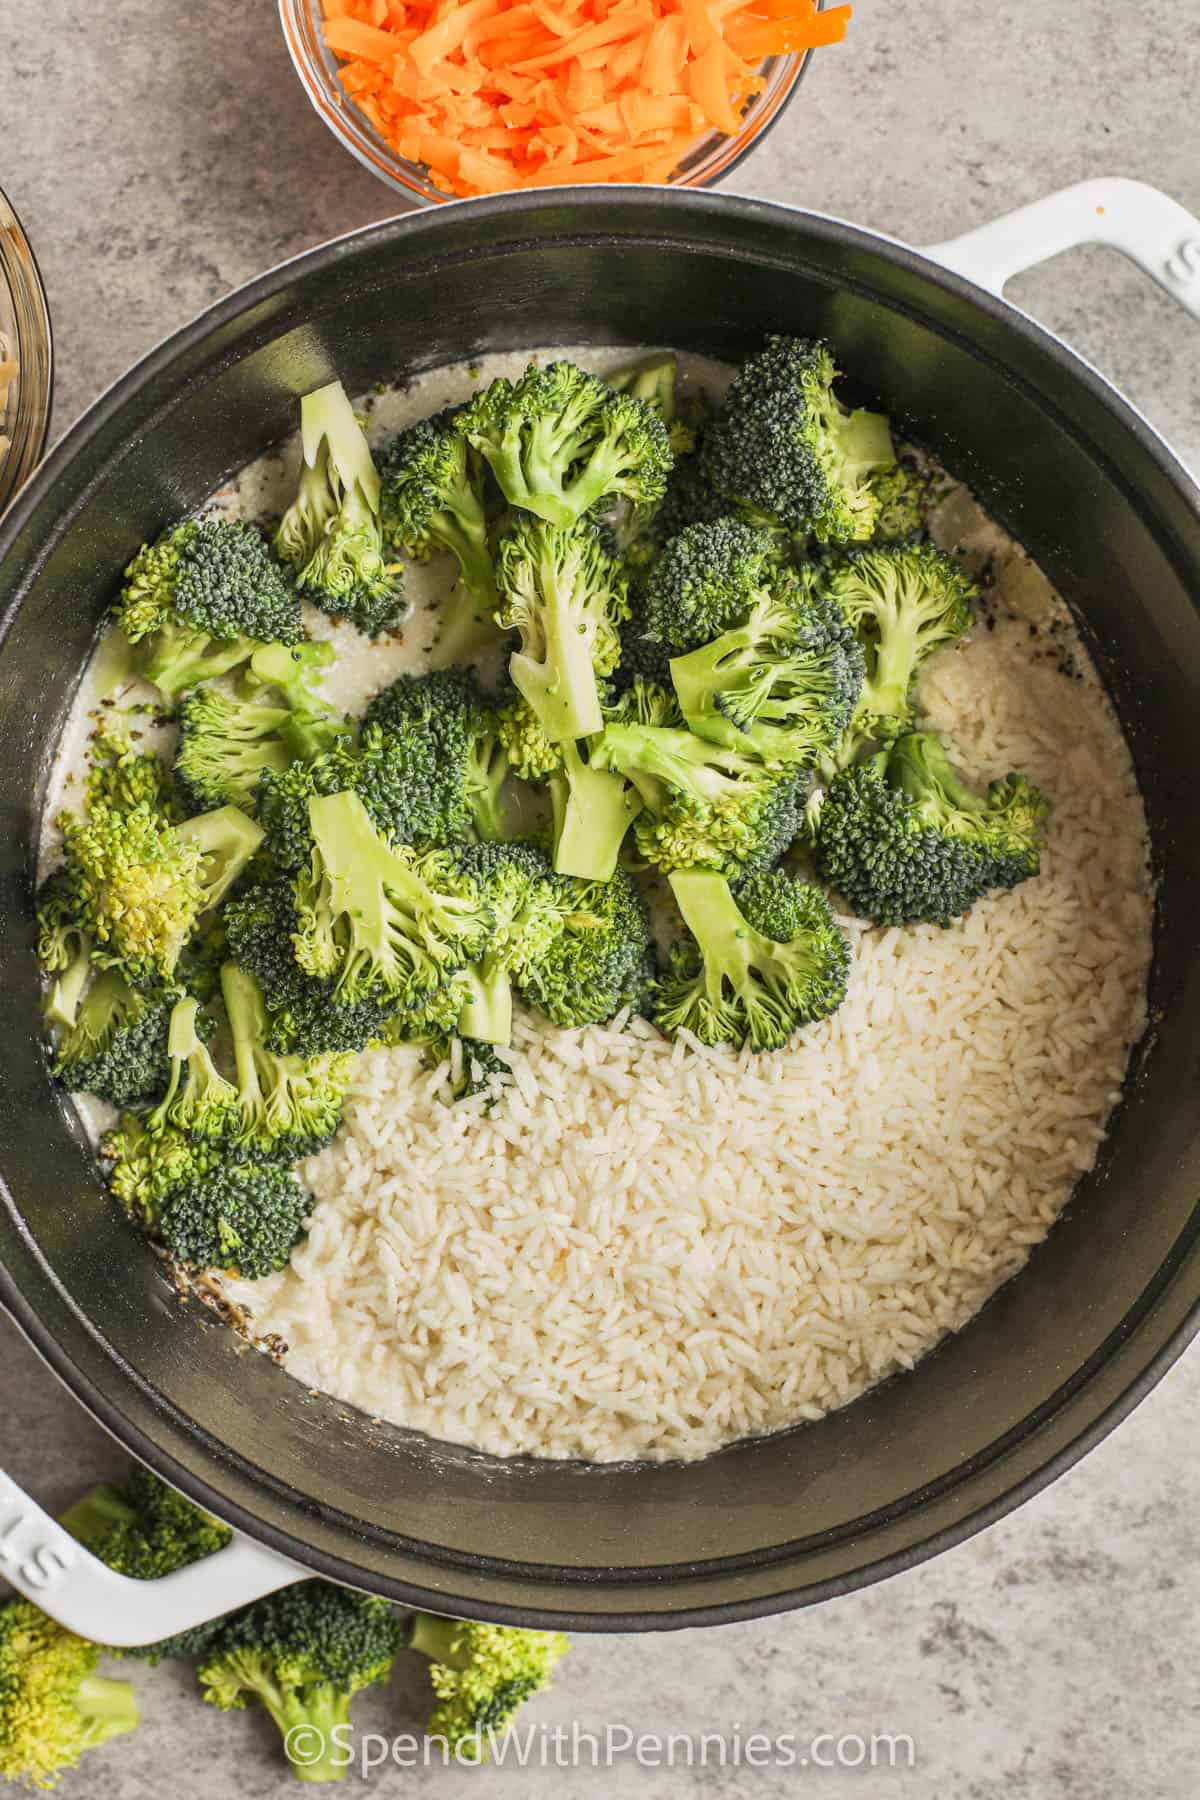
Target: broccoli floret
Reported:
point(705, 582)
point(199, 598)
point(566, 597)
point(529, 905)
point(482, 1675)
point(146, 1530)
point(705, 805)
point(905, 496)
point(902, 838)
point(379, 919)
point(64, 949)
point(787, 452)
point(783, 683)
point(762, 962)
point(433, 499)
point(473, 1066)
point(527, 749)
point(903, 603)
point(304, 1654)
point(465, 754)
point(229, 739)
point(198, 1099)
point(148, 1166)
point(287, 1106)
point(596, 964)
point(303, 1018)
point(117, 1047)
point(138, 882)
point(245, 1217)
point(53, 1706)
point(653, 381)
point(331, 534)
point(559, 441)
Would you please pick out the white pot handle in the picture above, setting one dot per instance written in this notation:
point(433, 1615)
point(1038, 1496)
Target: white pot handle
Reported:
point(1161, 236)
point(44, 1562)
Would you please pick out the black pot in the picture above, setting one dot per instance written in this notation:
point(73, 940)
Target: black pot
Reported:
point(1057, 1357)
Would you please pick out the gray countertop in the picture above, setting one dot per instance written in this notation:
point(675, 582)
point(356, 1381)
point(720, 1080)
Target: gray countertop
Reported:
point(160, 154)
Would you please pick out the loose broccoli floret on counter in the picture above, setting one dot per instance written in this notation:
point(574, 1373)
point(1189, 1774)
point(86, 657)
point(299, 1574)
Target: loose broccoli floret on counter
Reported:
point(147, 1166)
point(433, 499)
point(303, 1654)
point(783, 683)
point(379, 919)
point(761, 962)
point(64, 949)
point(482, 1676)
point(330, 534)
point(788, 453)
point(53, 1706)
point(559, 441)
point(244, 1217)
point(529, 905)
point(904, 602)
point(198, 600)
point(597, 963)
point(706, 581)
point(566, 597)
point(138, 882)
point(704, 805)
point(145, 1530)
point(117, 1047)
point(288, 1106)
point(198, 1099)
point(468, 763)
point(229, 739)
point(902, 838)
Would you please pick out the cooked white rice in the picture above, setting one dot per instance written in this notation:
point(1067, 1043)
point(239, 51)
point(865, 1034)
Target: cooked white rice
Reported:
point(649, 1249)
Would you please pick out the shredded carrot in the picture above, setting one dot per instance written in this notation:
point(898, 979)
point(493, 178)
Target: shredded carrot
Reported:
point(490, 95)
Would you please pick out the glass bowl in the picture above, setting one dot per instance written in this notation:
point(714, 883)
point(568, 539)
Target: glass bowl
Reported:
point(711, 157)
point(25, 336)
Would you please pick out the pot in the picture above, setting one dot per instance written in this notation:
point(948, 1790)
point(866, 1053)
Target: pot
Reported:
point(1055, 1359)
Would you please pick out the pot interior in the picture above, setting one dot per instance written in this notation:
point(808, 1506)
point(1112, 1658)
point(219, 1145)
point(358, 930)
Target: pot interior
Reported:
point(763, 1524)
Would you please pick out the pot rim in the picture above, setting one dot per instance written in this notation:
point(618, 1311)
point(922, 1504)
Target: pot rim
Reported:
point(208, 1453)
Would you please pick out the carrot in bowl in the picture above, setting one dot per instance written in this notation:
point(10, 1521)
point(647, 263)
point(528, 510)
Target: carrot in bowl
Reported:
point(497, 94)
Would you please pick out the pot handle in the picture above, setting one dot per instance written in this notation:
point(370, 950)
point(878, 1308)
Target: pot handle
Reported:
point(1161, 236)
point(47, 1565)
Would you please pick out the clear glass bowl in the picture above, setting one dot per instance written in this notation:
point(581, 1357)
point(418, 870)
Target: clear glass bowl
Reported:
point(25, 335)
point(709, 159)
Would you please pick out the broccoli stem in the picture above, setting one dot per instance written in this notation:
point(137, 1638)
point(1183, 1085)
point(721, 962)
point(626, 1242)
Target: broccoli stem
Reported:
point(326, 415)
point(247, 1016)
point(487, 1012)
point(108, 1708)
point(561, 688)
point(862, 440)
point(227, 839)
point(434, 1637)
point(464, 629)
point(593, 809)
point(62, 1002)
point(711, 914)
point(94, 1514)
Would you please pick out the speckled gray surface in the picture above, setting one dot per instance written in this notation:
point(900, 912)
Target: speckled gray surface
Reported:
point(160, 154)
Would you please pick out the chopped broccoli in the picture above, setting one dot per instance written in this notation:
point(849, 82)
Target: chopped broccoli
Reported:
point(902, 838)
point(245, 1217)
point(529, 904)
point(903, 602)
point(380, 919)
point(786, 451)
point(653, 380)
point(762, 962)
point(145, 1530)
point(472, 1066)
point(593, 809)
point(148, 1166)
point(482, 1675)
point(331, 534)
point(229, 739)
point(304, 1654)
point(559, 441)
point(705, 805)
point(466, 758)
point(596, 964)
point(198, 1099)
point(705, 583)
point(566, 596)
point(199, 598)
point(433, 499)
point(288, 1106)
point(527, 750)
point(53, 1706)
point(117, 1047)
point(905, 496)
point(783, 683)
point(64, 949)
